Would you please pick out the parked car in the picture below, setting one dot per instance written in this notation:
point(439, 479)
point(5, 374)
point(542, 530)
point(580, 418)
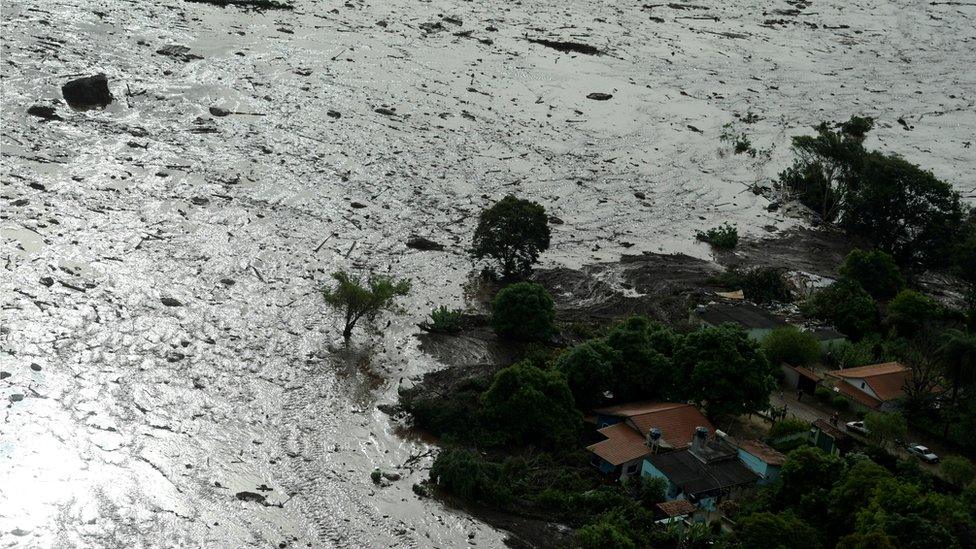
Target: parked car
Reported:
point(858, 427)
point(923, 453)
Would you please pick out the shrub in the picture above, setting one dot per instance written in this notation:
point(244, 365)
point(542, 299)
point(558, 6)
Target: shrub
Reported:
point(788, 427)
point(512, 233)
point(652, 490)
point(792, 346)
point(588, 371)
point(910, 311)
point(640, 361)
point(523, 311)
point(776, 531)
point(875, 271)
point(527, 405)
point(759, 284)
point(823, 394)
point(724, 237)
point(445, 321)
point(356, 299)
point(847, 306)
point(884, 428)
point(841, 403)
point(958, 470)
point(467, 475)
point(603, 534)
point(376, 476)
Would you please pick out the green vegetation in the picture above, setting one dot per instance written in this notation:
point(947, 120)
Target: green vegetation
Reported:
point(356, 299)
point(512, 233)
point(898, 207)
point(787, 427)
point(588, 371)
point(759, 284)
point(523, 311)
point(790, 345)
point(776, 531)
point(723, 237)
point(958, 470)
point(885, 428)
point(875, 271)
point(526, 405)
point(445, 321)
point(847, 306)
point(910, 311)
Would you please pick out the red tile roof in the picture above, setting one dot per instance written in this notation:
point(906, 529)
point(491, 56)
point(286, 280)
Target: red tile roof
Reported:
point(677, 421)
point(858, 395)
point(623, 444)
point(677, 508)
point(762, 451)
point(886, 380)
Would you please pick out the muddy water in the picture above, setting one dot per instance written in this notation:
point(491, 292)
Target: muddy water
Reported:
point(129, 422)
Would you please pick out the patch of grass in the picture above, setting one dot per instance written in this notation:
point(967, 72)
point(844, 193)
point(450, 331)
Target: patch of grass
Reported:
point(445, 321)
point(723, 237)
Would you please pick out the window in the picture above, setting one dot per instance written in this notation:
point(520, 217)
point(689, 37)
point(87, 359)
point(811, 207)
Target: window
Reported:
point(632, 469)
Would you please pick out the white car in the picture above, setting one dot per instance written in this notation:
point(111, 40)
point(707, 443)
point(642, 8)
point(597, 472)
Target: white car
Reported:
point(857, 427)
point(922, 453)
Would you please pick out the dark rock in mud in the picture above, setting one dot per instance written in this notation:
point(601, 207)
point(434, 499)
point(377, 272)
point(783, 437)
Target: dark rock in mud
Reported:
point(333, 114)
point(170, 302)
point(421, 243)
point(385, 111)
point(599, 96)
point(47, 281)
point(218, 111)
point(44, 112)
point(87, 93)
point(36, 367)
point(575, 47)
point(180, 53)
point(250, 496)
point(246, 4)
point(358, 205)
point(4, 375)
point(16, 397)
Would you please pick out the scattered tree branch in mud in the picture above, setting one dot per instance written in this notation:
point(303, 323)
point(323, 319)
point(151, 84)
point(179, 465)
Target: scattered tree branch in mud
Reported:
point(247, 4)
point(575, 47)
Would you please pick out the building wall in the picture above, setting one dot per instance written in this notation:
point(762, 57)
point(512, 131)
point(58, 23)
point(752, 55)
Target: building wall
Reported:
point(861, 385)
point(649, 470)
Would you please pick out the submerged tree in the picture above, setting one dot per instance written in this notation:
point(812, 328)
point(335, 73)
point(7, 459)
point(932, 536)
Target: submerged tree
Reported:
point(356, 298)
point(513, 232)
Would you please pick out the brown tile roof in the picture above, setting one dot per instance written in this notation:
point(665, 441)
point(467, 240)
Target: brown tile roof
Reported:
point(677, 508)
point(762, 451)
point(830, 429)
point(886, 380)
point(623, 444)
point(858, 395)
point(808, 373)
point(677, 421)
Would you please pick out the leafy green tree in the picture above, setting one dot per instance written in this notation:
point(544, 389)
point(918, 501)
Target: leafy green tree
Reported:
point(910, 311)
point(911, 518)
point(641, 364)
point(903, 210)
point(958, 470)
point(725, 370)
point(588, 372)
point(604, 534)
point(523, 311)
point(868, 540)
point(467, 475)
point(532, 406)
point(513, 233)
point(790, 345)
point(852, 492)
point(847, 306)
point(957, 354)
point(776, 531)
point(805, 482)
point(884, 428)
point(759, 284)
point(875, 271)
point(652, 490)
point(356, 299)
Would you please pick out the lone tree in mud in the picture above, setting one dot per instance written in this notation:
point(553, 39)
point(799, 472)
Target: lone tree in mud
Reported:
point(513, 233)
point(356, 299)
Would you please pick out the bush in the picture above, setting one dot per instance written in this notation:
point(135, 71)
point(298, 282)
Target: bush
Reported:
point(641, 359)
point(445, 321)
point(788, 427)
point(776, 531)
point(847, 306)
point(875, 271)
point(527, 405)
point(523, 311)
point(724, 237)
point(885, 428)
point(759, 284)
point(792, 346)
point(910, 311)
point(602, 535)
point(823, 394)
point(958, 470)
point(652, 490)
point(588, 371)
point(467, 475)
point(512, 233)
point(841, 403)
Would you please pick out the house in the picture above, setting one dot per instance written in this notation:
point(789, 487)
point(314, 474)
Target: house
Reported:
point(875, 387)
point(679, 510)
point(756, 321)
point(761, 459)
point(800, 377)
point(631, 430)
point(829, 338)
point(705, 473)
point(829, 438)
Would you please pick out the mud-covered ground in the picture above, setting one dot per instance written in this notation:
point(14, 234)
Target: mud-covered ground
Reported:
point(133, 421)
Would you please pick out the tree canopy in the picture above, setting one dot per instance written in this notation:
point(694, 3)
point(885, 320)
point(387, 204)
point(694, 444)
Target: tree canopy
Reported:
point(512, 233)
point(875, 271)
point(847, 306)
point(356, 299)
point(523, 311)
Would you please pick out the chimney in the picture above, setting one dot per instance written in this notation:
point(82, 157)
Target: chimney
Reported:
point(653, 439)
point(698, 441)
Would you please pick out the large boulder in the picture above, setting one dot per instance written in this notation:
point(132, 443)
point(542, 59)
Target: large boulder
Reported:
point(87, 93)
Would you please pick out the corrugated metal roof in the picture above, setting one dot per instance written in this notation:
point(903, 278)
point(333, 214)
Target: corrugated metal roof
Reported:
point(623, 444)
point(698, 479)
point(677, 421)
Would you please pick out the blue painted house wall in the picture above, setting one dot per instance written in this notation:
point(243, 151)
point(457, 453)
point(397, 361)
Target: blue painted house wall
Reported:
point(767, 473)
point(673, 492)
